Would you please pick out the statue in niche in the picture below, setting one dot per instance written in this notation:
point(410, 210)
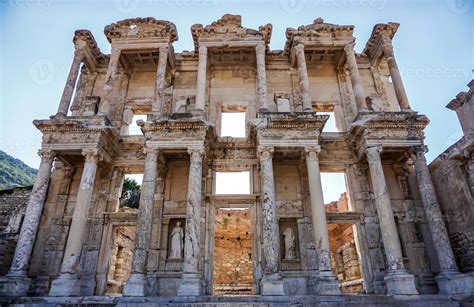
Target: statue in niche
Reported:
point(282, 101)
point(289, 244)
point(177, 241)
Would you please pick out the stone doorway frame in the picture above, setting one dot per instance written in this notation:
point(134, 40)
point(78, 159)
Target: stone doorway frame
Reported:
point(215, 202)
point(111, 221)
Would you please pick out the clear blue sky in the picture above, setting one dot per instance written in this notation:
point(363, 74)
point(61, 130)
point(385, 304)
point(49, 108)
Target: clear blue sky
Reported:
point(434, 49)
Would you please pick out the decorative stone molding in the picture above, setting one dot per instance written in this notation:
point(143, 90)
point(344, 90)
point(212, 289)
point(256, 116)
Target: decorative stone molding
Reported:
point(136, 28)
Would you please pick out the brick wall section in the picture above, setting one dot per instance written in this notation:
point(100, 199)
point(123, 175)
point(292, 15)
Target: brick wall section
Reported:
point(13, 204)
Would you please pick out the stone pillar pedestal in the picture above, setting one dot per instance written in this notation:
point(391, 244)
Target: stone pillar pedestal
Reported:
point(70, 83)
point(17, 282)
point(398, 280)
point(395, 74)
point(272, 283)
point(303, 75)
point(110, 79)
point(190, 284)
point(355, 78)
point(261, 78)
point(439, 233)
point(158, 96)
point(136, 284)
point(201, 81)
point(327, 281)
point(68, 282)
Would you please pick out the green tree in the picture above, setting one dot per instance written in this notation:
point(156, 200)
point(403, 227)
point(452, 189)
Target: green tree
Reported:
point(130, 193)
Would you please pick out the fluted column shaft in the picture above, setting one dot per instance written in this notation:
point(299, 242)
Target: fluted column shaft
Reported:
point(355, 77)
point(158, 97)
point(193, 213)
point(110, 79)
point(201, 80)
point(390, 238)
point(303, 76)
point(261, 77)
point(442, 245)
point(270, 228)
point(71, 82)
point(29, 228)
point(321, 236)
point(395, 74)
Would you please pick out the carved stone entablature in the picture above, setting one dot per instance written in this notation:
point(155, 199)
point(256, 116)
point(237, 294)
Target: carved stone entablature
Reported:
point(234, 149)
point(74, 133)
point(319, 33)
point(373, 48)
point(287, 128)
point(395, 130)
point(149, 29)
point(85, 42)
point(184, 129)
point(229, 29)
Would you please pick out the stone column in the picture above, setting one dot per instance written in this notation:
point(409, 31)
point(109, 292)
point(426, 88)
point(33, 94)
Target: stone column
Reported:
point(271, 283)
point(442, 245)
point(398, 281)
point(355, 78)
point(303, 74)
point(136, 284)
point(191, 282)
point(70, 83)
point(402, 98)
point(158, 96)
point(327, 282)
point(68, 283)
point(261, 78)
point(110, 79)
point(17, 282)
point(201, 80)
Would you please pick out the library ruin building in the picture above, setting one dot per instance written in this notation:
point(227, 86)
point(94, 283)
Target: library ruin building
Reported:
point(234, 108)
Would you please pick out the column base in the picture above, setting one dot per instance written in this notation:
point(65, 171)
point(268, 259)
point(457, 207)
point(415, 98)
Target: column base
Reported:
point(327, 284)
point(400, 283)
point(136, 285)
point(190, 285)
point(272, 285)
point(15, 284)
point(66, 285)
point(457, 285)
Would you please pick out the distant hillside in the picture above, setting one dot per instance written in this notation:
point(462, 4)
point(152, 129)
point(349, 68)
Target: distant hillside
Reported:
point(14, 172)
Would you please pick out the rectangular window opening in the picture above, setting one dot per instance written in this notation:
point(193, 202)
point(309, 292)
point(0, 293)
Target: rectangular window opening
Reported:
point(233, 124)
point(233, 182)
point(330, 125)
point(130, 197)
point(335, 194)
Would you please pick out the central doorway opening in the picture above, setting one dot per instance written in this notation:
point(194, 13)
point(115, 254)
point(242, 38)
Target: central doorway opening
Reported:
point(233, 269)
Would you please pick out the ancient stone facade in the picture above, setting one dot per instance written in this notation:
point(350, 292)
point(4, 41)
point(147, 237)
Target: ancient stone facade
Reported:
point(453, 178)
point(66, 244)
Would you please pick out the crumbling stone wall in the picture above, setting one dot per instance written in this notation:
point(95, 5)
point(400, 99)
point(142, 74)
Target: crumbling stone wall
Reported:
point(13, 204)
point(345, 261)
point(233, 273)
point(121, 261)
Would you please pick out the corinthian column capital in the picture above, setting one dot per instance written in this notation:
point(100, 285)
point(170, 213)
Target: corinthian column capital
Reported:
point(373, 153)
point(47, 155)
point(260, 48)
point(265, 152)
point(418, 152)
point(312, 152)
point(196, 152)
point(349, 48)
point(202, 51)
point(92, 155)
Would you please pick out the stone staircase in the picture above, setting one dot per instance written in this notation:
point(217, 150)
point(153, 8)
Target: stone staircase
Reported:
point(241, 301)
